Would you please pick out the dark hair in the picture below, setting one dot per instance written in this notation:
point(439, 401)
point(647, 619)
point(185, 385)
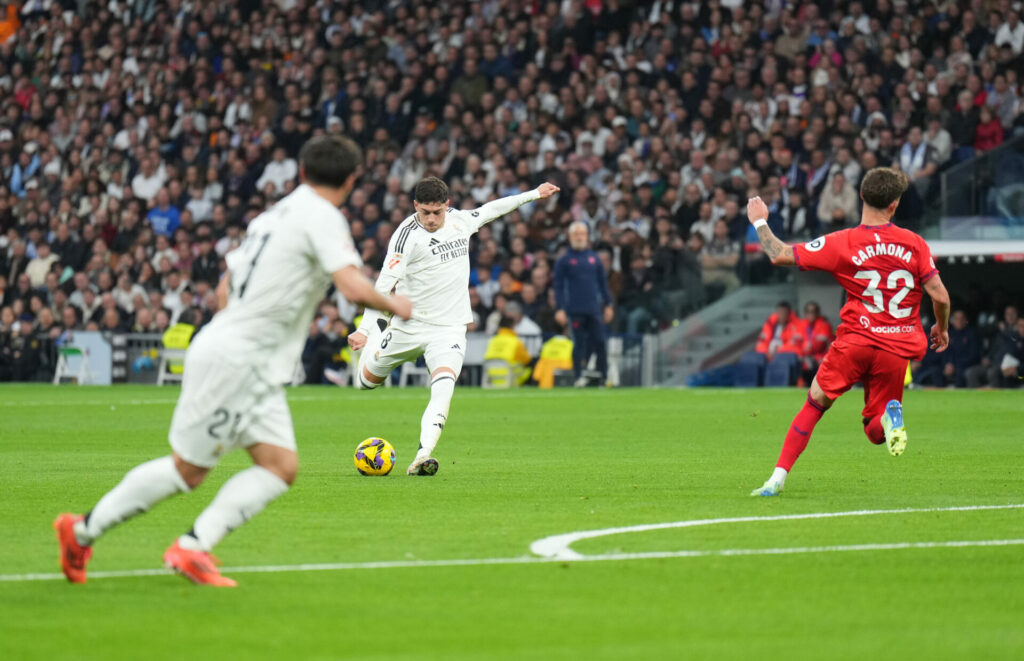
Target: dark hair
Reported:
point(329, 160)
point(883, 186)
point(506, 322)
point(431, 190)
point(784, 305)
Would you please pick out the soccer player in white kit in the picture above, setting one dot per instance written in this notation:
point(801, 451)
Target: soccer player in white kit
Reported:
point(232, 394)
point(428, 260)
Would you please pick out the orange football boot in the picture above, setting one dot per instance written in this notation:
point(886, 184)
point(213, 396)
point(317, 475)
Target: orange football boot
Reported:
point(73, 556)
point(199, 567)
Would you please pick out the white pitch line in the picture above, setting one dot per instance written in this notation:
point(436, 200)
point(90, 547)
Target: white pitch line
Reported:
point(533, 560)
point(557, 546)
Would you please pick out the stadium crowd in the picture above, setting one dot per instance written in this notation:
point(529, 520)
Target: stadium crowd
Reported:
point(139, 137)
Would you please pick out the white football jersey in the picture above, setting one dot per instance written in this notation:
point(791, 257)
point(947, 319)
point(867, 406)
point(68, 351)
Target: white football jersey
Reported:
point(432, 268)
point(278, 275)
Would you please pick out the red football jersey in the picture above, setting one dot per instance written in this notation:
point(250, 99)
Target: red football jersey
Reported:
point(883, 269)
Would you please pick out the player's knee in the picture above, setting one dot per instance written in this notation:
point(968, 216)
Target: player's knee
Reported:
point(288, 469)
point(192, 475)
point(363, 382)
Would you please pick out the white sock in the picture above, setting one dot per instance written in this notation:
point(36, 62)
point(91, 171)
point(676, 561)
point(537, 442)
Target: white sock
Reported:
point(779, 476)
point(241, 498)
point(436, 414)
point(141, 488)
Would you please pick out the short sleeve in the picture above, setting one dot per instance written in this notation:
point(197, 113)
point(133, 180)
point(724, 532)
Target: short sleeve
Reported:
point(332, 243)
point(926, 269)
point(821, 254)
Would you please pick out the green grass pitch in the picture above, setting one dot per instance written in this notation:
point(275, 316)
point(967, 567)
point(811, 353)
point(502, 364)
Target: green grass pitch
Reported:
point(517, 467)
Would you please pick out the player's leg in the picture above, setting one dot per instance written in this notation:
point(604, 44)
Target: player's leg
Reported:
point(444, 356)
point(154, 481)
point(580, 347)
point(138, 491)
point(376, 362)
point(599, 341)
point(838, 372)
point(883, 396)
point(245, 494)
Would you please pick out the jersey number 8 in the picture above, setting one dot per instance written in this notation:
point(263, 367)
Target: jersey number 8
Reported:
point(877, 303)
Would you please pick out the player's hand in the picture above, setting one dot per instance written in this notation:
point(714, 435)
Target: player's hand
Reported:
point(756, 209)
point(609, 314)
point(546, 190)
point(357, 340)
point(560, 318)
point(401, 306)
point(939, 338)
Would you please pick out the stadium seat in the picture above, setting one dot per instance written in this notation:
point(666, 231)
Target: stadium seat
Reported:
point(497, 373)
point(792, 363)
point(777, 375)
point(747, 375)
point(414, 371)
point(82, 376)
point(754, 358)
point(167, 358)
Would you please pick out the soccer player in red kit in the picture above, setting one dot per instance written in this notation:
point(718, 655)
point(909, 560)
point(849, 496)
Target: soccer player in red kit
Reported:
point(884, 270)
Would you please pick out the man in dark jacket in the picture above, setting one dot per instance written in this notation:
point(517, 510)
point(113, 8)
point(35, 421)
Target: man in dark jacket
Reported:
point(584, 302)
point(964, 350)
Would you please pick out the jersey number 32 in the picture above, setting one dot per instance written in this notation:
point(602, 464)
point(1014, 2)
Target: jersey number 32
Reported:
point(876, 303)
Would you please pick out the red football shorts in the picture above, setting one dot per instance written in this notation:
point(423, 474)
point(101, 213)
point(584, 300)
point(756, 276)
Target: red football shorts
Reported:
point(881, 372)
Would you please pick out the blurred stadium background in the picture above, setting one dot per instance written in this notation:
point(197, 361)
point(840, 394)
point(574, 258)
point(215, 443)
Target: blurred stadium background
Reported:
point(138, 138)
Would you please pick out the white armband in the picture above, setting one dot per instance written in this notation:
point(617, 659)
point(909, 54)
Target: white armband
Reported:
point(760, 222)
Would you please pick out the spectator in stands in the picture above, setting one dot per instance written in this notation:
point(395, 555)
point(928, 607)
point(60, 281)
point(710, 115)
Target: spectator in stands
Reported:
point(782, 332)
point(990, 371)
point(962, 126)
point(718, 259)
point(917, 159)
point(1012, 365)
point(39, 267)
point(837, 208)
point(507, 346)
point(522, 324)
point(817, 336)
point(278, 172)
point(164, 217)
point(964, 350)
point(989, 133)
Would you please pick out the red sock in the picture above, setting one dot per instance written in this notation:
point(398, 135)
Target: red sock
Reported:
point(799, 433)
point(873, 428)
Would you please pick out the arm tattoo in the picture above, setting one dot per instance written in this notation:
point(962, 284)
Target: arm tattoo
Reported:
point(773, 247)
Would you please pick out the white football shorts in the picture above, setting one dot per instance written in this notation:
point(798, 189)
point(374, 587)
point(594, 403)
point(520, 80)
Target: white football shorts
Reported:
point(224, 406)
point(440, 346)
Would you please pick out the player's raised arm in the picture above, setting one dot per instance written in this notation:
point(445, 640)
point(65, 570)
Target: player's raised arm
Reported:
point(357, 288)
point(498, 208)
point(779, 252)
point(940, 305)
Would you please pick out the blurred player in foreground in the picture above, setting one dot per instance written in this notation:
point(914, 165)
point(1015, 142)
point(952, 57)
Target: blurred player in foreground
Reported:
point(883, 269)
point(232, 393)
point(428, 259)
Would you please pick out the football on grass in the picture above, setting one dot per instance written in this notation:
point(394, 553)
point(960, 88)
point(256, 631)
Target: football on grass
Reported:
point(375, 456)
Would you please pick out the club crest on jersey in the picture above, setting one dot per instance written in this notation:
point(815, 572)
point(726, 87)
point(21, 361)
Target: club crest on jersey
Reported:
point(815, 245)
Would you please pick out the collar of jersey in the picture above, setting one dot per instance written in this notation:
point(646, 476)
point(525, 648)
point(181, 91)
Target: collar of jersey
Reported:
point(865, 227)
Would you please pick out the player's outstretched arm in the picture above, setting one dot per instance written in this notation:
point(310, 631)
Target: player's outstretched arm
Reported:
point(357, 288)
point(779, 252)
point(498, 208)
point(940, 305)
